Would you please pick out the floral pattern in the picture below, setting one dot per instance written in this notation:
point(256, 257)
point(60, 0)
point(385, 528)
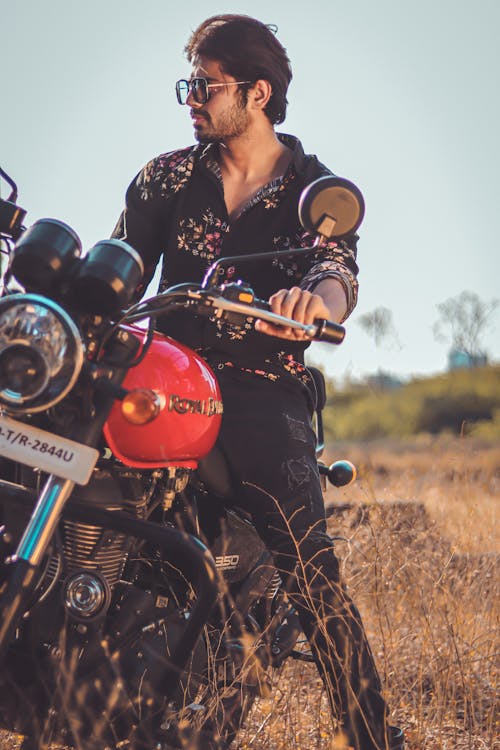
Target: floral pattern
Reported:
point(202, 238)
point(232, 332)
point(176, 209)
point(273, 369)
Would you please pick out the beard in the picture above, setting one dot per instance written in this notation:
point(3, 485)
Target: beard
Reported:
point(230, 123)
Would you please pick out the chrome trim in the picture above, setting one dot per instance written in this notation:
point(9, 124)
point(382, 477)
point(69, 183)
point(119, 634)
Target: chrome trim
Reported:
point(44, 519)
point(73, 333)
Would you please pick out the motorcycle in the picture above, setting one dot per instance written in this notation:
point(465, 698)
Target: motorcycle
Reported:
point(138, 607)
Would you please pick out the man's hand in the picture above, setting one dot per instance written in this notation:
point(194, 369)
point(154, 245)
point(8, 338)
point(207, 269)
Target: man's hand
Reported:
point(327, 302)
point(295, 303)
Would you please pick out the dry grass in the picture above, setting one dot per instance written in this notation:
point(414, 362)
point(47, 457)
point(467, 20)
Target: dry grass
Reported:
point(421, 557)
point(457, 480)
point(420, 552)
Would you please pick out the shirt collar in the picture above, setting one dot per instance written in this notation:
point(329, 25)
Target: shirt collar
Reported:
point(207, 154)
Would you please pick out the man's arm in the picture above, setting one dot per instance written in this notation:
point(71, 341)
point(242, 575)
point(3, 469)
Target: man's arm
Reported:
point(138, 224)
point(333, 294)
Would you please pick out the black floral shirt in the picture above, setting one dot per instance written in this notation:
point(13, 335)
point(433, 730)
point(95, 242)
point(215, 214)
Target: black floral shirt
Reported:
point(175, 211)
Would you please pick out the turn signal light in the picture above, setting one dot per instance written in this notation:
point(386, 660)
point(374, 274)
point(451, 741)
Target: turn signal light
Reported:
point(141, 406)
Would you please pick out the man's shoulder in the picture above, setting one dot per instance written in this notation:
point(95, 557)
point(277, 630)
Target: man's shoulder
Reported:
point(314, 168)
point(307, 166)
point(170, 160)
point(167, 173)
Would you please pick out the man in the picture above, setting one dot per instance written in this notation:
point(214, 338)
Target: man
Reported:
point(235, 193)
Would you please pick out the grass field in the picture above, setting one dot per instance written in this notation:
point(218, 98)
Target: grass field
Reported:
point(420, 552)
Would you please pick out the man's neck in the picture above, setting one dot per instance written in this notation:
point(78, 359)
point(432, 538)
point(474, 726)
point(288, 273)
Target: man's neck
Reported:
point(256, 157)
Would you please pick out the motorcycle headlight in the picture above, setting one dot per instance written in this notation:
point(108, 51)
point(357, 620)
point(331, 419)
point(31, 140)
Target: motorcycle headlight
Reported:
point(41, 353)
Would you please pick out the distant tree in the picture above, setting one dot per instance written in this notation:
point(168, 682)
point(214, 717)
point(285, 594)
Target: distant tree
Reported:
point(463, 320)
point(379, 325)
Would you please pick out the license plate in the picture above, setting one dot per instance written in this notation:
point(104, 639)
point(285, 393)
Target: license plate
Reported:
point(43, 450)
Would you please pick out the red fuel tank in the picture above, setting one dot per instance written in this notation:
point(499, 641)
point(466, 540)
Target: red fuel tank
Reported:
point(187, 426)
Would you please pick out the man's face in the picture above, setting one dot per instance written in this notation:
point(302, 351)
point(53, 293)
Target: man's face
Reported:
point(224, 116)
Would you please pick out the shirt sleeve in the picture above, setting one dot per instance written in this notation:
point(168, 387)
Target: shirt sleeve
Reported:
point(139, 223)
point(333, 260)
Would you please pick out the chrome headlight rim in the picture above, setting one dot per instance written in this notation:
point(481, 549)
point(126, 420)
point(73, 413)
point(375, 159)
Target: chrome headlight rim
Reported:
point(43, 398)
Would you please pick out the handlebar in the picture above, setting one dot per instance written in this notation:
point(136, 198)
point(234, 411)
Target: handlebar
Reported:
point(320, 330)
point(230, 300)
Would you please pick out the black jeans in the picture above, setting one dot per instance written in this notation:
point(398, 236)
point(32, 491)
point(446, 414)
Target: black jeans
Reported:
point(269, 443)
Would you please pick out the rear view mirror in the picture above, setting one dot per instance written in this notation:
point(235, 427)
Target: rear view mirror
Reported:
point(332, 207)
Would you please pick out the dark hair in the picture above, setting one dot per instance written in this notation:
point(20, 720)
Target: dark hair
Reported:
point(248, 50)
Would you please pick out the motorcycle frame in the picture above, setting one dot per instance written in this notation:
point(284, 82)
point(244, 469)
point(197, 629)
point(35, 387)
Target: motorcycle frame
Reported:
point(187, 552)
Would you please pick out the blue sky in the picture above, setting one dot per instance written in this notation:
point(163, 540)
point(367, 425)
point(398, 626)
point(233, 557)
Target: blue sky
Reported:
point(401, 97)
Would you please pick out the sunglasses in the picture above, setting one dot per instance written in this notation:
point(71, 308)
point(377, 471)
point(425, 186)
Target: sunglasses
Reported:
point(200, 89)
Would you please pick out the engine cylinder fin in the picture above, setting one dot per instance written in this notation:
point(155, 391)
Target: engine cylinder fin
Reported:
point(93, 548)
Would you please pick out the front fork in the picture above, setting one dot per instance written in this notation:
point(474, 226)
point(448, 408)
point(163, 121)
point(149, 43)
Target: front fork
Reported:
point(23, 565)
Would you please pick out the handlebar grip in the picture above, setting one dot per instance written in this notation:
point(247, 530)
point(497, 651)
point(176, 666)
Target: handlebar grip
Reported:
point(333, 333)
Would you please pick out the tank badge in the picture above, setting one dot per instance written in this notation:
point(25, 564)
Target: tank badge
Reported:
point(207, 407)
